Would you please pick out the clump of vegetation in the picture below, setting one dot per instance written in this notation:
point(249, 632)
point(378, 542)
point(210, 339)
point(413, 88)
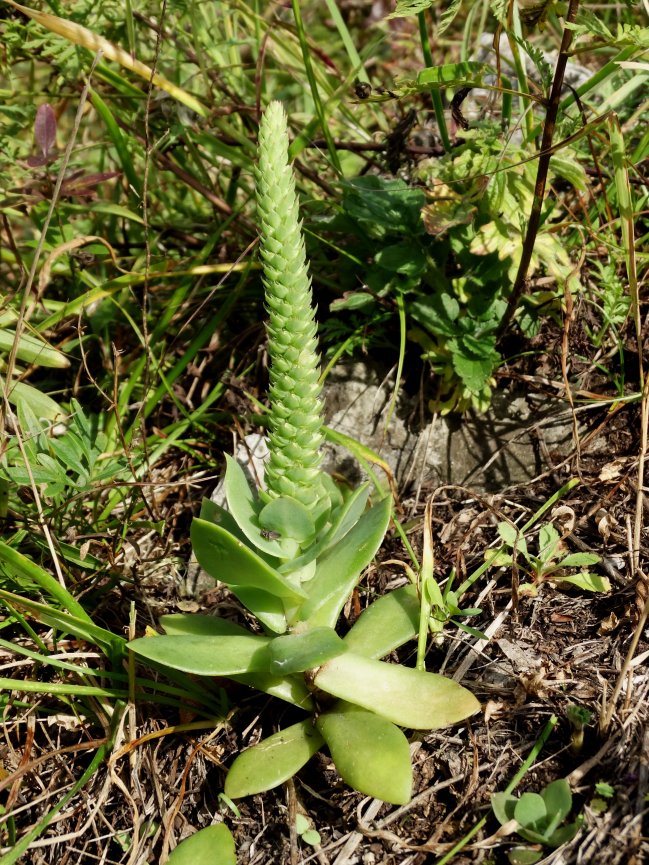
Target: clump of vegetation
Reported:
point(294, 552)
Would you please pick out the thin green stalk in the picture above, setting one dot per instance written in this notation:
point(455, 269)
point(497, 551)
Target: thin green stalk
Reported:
point(348, 42)
point(401, 307)
point(435, 94)
point(313, 84)
point(518, 777)
point(521, 74)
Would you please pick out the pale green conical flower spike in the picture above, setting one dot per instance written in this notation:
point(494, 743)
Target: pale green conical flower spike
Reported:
point(295, 417)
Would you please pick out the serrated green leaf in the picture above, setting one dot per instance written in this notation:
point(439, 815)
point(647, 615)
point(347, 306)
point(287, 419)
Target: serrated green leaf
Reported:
point(410, 698)
point(466, 74)
point(213, 845)
point(206, 655)
point(448, 15)
point(408, 8)
point(370, 753)
point(273, 761)
point(578, 560)
point(405, 258)
point(549, 539)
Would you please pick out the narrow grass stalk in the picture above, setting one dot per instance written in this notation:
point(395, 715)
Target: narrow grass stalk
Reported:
point(313, 84)
point(435, 94)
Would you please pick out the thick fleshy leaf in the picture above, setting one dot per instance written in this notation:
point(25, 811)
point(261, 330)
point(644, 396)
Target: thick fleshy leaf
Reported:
point(267, 608)
point(410, 698)
point(244, 506)
point(288, 518)
point(558, 799)
point(296, 653)
point(503, 805)
point(530, 811)
point(370, 753)
point(225, 558)
point(346, 516)
point(340, 567)
point(176, 624)
point(206, 656)
point(292, 689)
point(386, 624)
point(213, 845)
point(273, 761)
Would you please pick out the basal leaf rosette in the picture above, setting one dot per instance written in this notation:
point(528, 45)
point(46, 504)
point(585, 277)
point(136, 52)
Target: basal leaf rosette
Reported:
point(295, 417)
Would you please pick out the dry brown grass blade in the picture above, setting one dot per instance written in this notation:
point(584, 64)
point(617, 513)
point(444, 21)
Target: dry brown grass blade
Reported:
point(79, 35)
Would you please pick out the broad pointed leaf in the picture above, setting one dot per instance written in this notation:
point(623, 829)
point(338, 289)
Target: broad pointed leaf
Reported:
point(347, 515)
point(225, 558)
point(244, 506)
point(273, 761)
point(340, 567)
point(386, 624)
point(410, 698)
point(206, 656)
point(370, 753)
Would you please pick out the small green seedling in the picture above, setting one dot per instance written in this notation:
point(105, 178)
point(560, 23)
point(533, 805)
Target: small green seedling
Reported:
point(550, 563)
point(292, 554)
point(602, 800)
point(539, 819)
point(305, 830)
point(578, 717)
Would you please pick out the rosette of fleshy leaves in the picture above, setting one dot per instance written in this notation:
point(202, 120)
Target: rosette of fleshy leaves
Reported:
point(293, 555)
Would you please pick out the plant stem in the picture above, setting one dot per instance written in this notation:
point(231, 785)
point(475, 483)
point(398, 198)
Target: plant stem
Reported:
point(436, 96)
point(313, 84)
point(545, 155)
